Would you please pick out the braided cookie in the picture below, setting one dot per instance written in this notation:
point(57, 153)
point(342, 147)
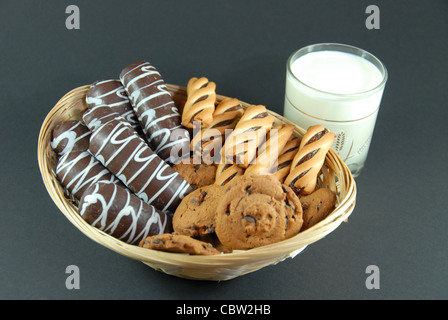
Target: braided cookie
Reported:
point(285, 158)
point(267, 159)
point(309, 159)
point(200, 104)
point(207, 142)
point(227, 172)
point(241, 145)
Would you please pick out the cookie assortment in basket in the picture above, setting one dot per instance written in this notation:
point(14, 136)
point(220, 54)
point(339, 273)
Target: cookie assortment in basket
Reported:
point(195, 172)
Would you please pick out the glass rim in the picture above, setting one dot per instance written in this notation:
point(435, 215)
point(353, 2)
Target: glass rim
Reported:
point(330, 46)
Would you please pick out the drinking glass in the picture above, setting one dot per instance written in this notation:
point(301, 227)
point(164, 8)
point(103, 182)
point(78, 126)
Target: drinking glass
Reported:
point(340, 87)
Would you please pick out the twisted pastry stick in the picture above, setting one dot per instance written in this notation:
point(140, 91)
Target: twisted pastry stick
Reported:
point(250, 131)
point(200, 104)
point(227, 172)
point(285, 158)
point(309, 159)
point(268, 155)
point(207, 142)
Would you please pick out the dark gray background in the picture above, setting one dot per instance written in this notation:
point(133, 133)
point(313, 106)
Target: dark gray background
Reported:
point(400, 220)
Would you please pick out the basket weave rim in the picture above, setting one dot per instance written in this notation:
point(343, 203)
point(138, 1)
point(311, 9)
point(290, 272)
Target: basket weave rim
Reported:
point(284, 248)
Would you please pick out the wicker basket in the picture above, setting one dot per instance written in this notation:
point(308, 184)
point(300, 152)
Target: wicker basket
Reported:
point(217, 267)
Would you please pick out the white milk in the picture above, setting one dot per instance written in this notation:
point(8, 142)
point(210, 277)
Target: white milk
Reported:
point(336, 72)
point(328, 84)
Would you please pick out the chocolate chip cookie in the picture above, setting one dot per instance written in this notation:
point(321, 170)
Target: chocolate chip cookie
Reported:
point(317, 206)
point(178, 243)
point(195, 215)
point(293, 212)
point(198, 175)
point(256, 211)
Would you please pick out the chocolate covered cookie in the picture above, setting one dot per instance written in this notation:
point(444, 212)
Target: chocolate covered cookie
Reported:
point(156, 111)
point(70, 135)
point(116, 211)
point(256, 211)
point(99, 115)
point(178, 243)
point(119, 148)
point(78, 170)
point(196, 214)
point(111, 93)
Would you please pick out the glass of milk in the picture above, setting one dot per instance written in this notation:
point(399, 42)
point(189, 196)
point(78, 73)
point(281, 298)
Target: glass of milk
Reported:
point(340, 87)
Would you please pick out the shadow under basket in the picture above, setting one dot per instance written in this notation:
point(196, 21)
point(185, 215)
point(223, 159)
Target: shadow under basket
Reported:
point(336, 176)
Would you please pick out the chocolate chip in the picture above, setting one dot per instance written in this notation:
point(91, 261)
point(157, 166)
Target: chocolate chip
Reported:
point(287, 202)
point(157, 241)
point(228, 210)
point(203, 193)
point(248, 190)
point(291, 205)
point(249, 218)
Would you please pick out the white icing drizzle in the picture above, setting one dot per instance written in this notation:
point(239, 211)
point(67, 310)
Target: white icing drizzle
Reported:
point(146, 69)
point(143, 172)
point(116, 98)
point(79, 170)
point(157, 134)
point(95, 123)
point(136, 209)
point(71, 136)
